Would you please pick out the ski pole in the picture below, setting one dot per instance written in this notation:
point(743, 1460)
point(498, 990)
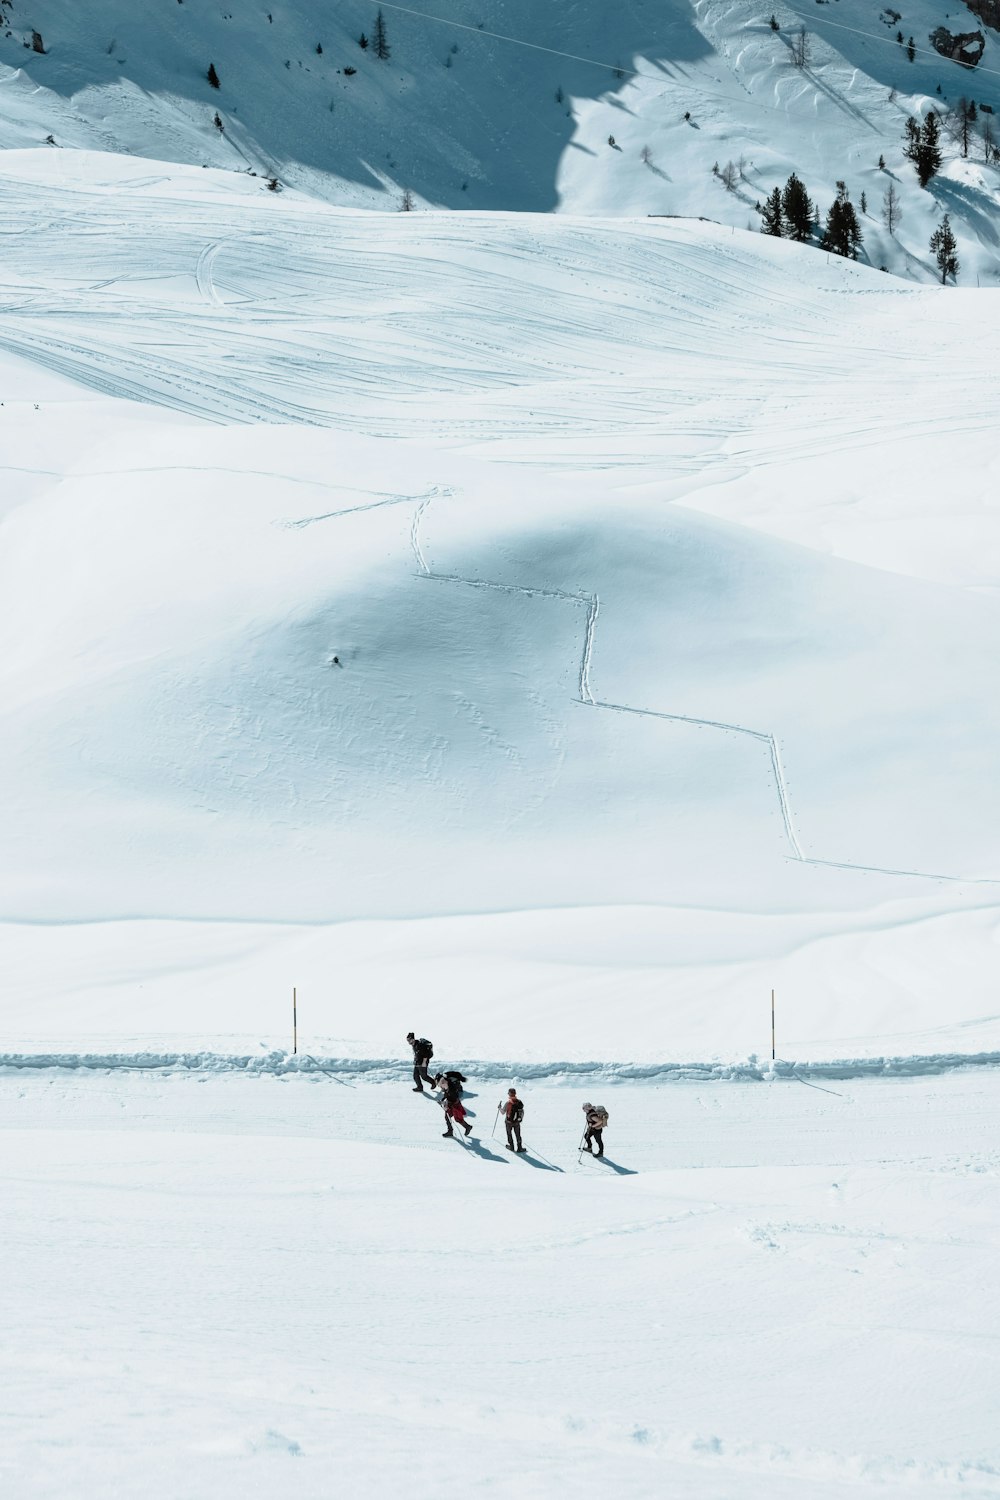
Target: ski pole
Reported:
point(493, 1132)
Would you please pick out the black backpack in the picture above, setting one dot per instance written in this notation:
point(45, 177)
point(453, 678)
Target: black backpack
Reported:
point(423, 1048)
point(517, 1113)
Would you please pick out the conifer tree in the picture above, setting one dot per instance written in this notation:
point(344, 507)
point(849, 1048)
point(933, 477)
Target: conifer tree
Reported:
point(923, 146)
point(379, 39)
point(772, 215)
point(945, 248)
point(798, 210)
point(213, 76)
point(929, 160)
point(842, 235)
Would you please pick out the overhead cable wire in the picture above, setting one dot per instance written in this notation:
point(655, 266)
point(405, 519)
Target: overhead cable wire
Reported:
point(621, 71)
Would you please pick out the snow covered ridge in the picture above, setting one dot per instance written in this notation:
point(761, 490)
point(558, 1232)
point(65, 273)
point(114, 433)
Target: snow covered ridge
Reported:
point(393, 1070)
point(693, 109)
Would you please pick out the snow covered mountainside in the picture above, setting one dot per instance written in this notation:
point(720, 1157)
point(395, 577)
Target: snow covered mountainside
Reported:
point(553, 632)
point(617, 110)
point(362, 569)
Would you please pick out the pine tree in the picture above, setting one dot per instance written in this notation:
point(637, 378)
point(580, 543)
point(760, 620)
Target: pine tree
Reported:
point(213, 76)
point(842, 235)
point(772, 215)
point(929, 160)
point(945, 248)
point(923, 146)
point(773, 23)
point(379, 39)
point(911, 50)
point(798, 210)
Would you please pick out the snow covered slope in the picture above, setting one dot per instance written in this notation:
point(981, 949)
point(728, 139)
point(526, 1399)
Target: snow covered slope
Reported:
point(558, 583)
point(232, 1286)
point(516, 106)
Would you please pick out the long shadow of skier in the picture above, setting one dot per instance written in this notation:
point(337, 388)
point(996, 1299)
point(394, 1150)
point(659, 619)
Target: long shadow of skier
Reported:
point(620, 1171)
point(477, 1147)
point(539, 1163)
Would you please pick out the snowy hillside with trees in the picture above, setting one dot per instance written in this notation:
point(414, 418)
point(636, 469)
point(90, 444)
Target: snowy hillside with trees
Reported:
point(558, 621)
point(698, 110)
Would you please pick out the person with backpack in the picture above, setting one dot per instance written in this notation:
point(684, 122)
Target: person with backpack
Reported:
point(597, 1119)
point(422, 1054)
point(513, 1114)
point(450, 1085)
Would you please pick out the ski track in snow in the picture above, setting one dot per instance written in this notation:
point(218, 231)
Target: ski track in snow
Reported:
point(203, 273)
point(586, 697)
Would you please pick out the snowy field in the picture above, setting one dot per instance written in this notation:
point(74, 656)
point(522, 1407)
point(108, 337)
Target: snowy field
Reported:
point(550, 634)
point(587, 619)
point(230, 1285)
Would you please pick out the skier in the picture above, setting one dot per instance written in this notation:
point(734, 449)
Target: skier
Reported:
point(422, 1054)
point(450, 1085)
point(513, 1114)
point(453, 1078)
point(597, 1119)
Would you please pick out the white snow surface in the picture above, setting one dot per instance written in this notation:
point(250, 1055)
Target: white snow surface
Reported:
point(647, 699)
point(550, 633)
point(220, 1286)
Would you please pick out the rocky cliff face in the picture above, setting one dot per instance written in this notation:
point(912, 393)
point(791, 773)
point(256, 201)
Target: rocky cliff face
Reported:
point(986, 10)
point(966, 47)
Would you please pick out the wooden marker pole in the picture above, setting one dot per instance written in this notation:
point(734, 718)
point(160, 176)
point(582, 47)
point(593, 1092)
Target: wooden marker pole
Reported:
point(295, 1022)
point(772, 1026)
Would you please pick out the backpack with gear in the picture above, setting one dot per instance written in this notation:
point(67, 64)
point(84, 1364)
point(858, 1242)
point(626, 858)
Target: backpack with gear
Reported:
point(600, 1117)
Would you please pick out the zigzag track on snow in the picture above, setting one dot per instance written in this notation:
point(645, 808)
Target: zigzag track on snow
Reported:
point(586, 697)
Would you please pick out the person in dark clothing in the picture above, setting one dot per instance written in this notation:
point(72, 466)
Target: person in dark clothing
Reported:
point(513, 1114)
point(450, 1085)
point(422, 1054)
point(597, 1118)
